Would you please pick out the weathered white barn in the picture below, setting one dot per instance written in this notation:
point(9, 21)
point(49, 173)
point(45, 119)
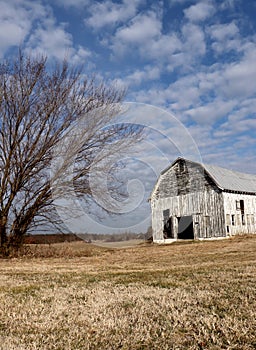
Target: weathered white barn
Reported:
point(196, 201)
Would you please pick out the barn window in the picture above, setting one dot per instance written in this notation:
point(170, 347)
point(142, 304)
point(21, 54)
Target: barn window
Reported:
point(243, 219)
point(240, 205)
point(233, 220)
point(182, 166)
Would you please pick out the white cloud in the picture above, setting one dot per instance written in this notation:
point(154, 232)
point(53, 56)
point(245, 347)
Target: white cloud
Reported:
point(51, 39)
point(228, 4)
point(199, 12)
point(194, 39)
point(33, 26)
point(162, 47)
point(239, 78)
point(140, 76)
point(225, 37)
point(211, 112)
point(142, 36)
point(110, 13)
point(16, 20)
point(81, 55)
point(229, 129)
point(142, 28)
point(222, 32)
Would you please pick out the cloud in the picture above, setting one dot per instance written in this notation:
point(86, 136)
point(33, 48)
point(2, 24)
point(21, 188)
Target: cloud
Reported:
point(199, 12)
point(143, 36)
point(228, 4)
point(238, 79)
point(110, 13)
point(194, 40)
point(33, 26)
point(142, 28)
point(222, 32)
point(211, 112)
point(16, 21)
point(141, 76)
point(80, 55)
point(51, 39)
point(230, 129)
point(225, 37)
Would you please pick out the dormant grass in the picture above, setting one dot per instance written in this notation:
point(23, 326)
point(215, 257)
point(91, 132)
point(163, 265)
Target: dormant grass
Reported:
point(185, 296)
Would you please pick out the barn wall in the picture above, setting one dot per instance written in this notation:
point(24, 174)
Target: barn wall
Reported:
point(239, 224)
point(206, 209)
point(183, 178)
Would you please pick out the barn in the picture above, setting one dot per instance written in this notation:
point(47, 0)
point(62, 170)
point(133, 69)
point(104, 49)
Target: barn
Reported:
point(192, 200)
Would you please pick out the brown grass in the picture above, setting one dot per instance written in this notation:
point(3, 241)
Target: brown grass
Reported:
point(183, 296)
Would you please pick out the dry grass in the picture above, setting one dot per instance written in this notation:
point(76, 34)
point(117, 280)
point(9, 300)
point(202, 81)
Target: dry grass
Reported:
point(184, 296)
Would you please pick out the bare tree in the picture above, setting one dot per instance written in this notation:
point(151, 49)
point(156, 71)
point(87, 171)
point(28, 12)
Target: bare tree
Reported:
point(48, 119)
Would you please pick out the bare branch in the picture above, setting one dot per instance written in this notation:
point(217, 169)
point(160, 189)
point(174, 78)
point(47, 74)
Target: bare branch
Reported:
point(51, 122)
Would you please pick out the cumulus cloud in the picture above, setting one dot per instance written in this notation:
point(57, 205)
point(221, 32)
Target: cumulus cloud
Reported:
point(199, 12)
point(144, 36)
point(194, 40)
point(16, 21)
point(211, 112)
point(51, 39)
point(222, 32)
point(142, 28)
point(110, 13)
point(200, 66)
point(33, 26)
point(140, 76)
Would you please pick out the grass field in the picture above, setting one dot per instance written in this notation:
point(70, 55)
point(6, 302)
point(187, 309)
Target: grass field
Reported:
point(199, 295)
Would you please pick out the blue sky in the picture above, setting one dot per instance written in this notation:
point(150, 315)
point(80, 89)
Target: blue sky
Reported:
point(193, 59)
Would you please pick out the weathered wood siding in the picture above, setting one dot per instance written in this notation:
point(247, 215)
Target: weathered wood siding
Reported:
point(186, 190)
point(183, 178)
point(240, 224)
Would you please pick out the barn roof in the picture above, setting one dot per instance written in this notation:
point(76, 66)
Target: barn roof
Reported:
point(231, 180)
point(226, 179)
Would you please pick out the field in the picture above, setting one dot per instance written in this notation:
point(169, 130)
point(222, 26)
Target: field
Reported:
point(196, 295)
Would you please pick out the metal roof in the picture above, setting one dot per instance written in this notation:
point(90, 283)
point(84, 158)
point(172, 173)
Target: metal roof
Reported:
point(231, 180)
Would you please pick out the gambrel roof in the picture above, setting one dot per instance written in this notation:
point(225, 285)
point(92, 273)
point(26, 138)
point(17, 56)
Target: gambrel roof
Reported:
point(225, 179)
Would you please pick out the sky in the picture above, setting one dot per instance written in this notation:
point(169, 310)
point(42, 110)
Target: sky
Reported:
point(189, 68)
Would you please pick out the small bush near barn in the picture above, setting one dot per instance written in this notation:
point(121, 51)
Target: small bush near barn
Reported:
point(182, 296)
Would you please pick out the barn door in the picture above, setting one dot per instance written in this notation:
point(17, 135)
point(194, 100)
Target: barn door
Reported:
point(185, 227)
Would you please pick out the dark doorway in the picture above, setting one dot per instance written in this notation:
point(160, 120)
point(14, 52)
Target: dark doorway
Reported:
point(242, 206)
point(168, 231)
point(185, 227)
